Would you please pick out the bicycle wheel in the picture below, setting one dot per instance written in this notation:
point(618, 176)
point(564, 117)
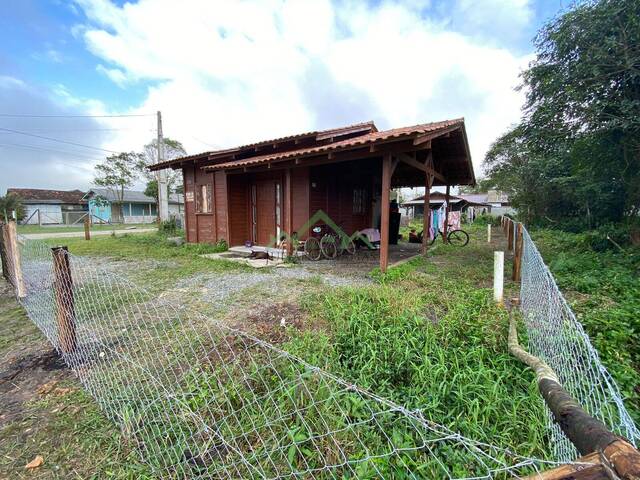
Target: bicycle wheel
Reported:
point(350, 247)
point(328, 246)
point(312, 248)
point(433, 240)
point(458, 238)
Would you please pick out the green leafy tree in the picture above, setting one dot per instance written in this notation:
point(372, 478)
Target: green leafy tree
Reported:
point(151, 189)
point(575, 157)
point(11, 203)
point(117, 173)
point(149, 156)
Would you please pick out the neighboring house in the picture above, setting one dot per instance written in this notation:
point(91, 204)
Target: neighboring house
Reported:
point(415, 208)
point(498, 201)
point(135, 206)
point(51, 207)
point(254, 193)
point(500, 204)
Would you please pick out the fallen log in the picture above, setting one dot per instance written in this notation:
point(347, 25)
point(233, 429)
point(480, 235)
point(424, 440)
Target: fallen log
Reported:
point(611, 455)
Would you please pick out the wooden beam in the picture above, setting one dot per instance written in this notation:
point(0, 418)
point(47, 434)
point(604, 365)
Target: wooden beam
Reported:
point(427, 137)
point(420, 166)
point(384, 212)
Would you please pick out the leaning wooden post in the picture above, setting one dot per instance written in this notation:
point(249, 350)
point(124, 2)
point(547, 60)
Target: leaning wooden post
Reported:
point(3, 255)
point(65, 312)
point(587, 433)
point(12, 253)
point(498, 277)
point(87, 228)
point(517, 256)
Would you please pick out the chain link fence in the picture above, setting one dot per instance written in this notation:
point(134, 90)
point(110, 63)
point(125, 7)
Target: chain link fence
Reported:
point(557, 337)
point(199, 399)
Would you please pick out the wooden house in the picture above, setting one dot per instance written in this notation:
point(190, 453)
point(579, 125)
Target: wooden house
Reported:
point(255, 192)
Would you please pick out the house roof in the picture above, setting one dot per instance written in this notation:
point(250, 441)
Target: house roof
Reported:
point(439, 197)
point(313, 136)
point(35, 195)
point(474, 197)
point(495, 196)
point(361, 140)
point(132, 196)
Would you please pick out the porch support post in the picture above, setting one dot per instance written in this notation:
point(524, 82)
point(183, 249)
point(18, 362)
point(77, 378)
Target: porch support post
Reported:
point(446, 215)
point(384, 212)
point(288, 215)
point(426, 221)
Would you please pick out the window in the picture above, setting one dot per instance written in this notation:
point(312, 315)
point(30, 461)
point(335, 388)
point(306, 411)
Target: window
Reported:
point(203, 199)
point(359, 201)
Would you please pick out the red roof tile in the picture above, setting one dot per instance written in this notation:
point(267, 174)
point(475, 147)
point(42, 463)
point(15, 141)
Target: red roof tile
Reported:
point(370, 138)
point(324, 134)
point(35, 194)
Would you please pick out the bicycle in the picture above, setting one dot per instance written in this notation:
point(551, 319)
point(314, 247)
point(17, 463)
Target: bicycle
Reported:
point(456, 237)
point(323, 242)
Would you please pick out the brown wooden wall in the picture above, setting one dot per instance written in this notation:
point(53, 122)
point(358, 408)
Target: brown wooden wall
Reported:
point(300, 199)
point(333, 193)
point(328, 188)
point(239, 226)
point(205, 227)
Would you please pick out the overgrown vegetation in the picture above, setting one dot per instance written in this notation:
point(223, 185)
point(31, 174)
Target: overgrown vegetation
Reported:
point(602, 287)
point(573, 162)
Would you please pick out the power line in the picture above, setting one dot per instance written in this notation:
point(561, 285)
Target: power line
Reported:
point(43, 149)
point(57, 140)
point(24, 115)
point(88, 129)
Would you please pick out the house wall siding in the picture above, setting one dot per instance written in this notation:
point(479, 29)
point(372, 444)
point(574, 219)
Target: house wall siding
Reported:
point(238, 200)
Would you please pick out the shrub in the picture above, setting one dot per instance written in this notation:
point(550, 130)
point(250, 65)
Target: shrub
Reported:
point(168, 227)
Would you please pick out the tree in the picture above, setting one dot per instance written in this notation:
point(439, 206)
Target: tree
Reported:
point(575, 156)
point(151, 189)
point(117, 173)
point(11, 203)
point(149, 156)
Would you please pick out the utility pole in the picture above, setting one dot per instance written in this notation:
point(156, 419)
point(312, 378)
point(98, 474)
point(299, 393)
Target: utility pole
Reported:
point(163, 194)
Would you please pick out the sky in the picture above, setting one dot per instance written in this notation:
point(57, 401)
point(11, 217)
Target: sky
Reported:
point(90, 75)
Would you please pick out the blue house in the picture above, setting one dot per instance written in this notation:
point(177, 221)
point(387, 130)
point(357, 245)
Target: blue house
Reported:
point(135, 207)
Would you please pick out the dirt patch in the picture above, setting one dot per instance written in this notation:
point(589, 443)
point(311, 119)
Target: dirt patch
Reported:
point(26, 376)
point(273, 322)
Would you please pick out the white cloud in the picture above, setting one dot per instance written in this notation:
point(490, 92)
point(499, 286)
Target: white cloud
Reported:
point(228, 72)
point(116, 76)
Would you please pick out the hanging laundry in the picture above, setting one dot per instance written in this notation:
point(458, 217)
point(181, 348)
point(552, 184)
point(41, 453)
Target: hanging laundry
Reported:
point(454, 220)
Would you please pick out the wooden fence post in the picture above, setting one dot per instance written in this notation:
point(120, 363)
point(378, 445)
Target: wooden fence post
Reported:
point(87, 227)
point(65, 311)
point(510, 224)
point(3, 255)
point(517, 257)
point(12, 255)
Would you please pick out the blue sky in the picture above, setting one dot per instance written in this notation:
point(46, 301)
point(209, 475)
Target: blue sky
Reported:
point(228, 72)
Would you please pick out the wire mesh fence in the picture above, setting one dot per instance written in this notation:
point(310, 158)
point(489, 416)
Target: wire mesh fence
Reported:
point(556, 336)
point(199, 399)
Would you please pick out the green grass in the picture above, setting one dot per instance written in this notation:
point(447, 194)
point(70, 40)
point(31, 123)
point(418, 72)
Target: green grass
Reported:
point(432, 341)
point(73, 436)
point(426, 334)
point(80, 227)
point(603, 289)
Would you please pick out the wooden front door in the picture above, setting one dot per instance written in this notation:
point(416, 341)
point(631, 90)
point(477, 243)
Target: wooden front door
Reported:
point(266, 210)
